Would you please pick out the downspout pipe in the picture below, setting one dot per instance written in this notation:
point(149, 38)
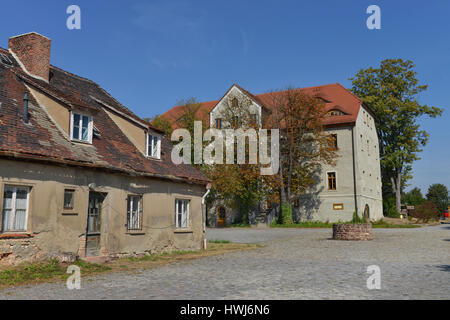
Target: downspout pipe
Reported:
point(354, 170)
point(208, 187)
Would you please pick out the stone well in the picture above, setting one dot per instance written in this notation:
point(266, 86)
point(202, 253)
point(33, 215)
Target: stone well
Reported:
point(361, 232)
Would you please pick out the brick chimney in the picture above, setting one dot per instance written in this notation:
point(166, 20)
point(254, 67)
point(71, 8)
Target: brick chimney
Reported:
point(33, 51)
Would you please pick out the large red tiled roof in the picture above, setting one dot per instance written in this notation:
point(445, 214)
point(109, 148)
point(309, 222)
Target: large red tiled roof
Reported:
point(41, 140)
point(334, 95)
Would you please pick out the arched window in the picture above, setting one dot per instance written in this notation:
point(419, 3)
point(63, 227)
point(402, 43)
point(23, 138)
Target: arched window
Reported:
point(367, 212)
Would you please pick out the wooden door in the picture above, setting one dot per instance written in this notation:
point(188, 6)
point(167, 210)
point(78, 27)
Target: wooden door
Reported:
point(94, 218)
point(221, 217)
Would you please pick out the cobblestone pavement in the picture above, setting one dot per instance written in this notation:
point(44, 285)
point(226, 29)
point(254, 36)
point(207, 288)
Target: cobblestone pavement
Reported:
point(294, 264)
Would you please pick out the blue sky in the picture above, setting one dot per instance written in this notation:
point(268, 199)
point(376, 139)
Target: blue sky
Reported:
point(151, 54)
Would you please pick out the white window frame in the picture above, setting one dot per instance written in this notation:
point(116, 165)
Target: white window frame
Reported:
point(90, 127)
point(13, 209)
point(184, 214)
point(157, 145)
point(130, 200)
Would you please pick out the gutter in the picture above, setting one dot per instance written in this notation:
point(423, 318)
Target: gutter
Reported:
point(72, 163)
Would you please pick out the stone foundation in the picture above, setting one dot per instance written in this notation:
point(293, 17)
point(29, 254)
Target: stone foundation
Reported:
point(361, 232)
point(15, 250)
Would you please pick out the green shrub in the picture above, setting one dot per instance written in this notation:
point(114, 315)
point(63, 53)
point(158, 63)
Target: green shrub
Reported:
point(389, 209)
point(219, 241)
point(286, 214)
point(357, 218)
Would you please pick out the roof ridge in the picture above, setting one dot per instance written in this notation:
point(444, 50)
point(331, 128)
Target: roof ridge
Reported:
point(73, 74)
point(300, 88)
point(283, 90)
point(99, 87)
point(354, 95)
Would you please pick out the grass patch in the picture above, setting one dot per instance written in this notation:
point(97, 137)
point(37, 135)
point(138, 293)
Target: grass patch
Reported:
point(239, 225)
point(45, 271)
point(384, 224)
point(306, 224)
point(218, 241)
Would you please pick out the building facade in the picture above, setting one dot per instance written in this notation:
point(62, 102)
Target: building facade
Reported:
point(80, 174)
point(352, 185)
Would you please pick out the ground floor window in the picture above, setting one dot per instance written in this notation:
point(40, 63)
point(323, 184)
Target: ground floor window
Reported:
point(68, 199)
point(15, 208)
point(134, 213)
point(181, 213)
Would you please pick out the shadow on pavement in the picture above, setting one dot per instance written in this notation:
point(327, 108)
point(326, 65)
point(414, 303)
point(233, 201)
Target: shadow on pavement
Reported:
point(444, 267)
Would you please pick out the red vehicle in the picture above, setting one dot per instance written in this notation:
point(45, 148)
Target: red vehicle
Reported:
point(446, 214)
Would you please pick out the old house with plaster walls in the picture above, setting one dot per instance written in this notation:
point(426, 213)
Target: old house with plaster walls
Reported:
point(352, 185)
point(80, 174)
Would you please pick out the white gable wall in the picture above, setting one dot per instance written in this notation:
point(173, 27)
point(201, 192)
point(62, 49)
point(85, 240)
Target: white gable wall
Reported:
point(237, 93)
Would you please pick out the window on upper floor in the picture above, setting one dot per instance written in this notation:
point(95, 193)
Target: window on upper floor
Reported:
point(235, 122)
point(153, 146)
point(218, 123)
point(334, 141)
point(333, 113)
point(234, 103)
point(81, 127)
point(331, 180)
point(254, 118)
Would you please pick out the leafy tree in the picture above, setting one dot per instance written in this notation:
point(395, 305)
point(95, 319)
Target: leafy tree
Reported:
point(162, 123)
point(438, 194)
point(187, 121)
point(413, 197)
point(241, 185)
point(304, 145)
point(391, 93)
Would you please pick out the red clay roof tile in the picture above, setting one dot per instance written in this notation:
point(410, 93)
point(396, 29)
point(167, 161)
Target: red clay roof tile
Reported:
point(42, 140)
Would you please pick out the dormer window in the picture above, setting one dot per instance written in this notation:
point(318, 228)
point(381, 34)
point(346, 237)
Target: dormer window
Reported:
point(81, 127)
point(333, 113)
point(153, 146)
